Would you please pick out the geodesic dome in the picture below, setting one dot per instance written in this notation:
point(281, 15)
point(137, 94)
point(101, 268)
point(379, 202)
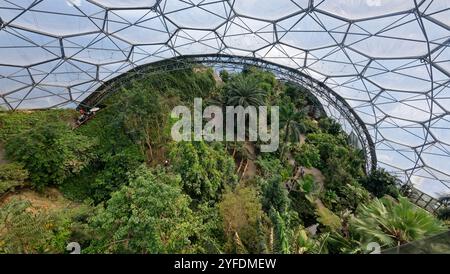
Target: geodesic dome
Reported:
point(388, 59)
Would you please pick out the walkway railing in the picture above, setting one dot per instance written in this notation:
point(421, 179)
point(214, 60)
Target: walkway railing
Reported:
point(420, 198)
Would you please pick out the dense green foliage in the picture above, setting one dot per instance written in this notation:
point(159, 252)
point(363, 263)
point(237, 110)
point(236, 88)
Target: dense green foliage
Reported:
point(134, 190)
point(307, 155)
point(150, 215)
point(241, 212)
point(11, 176)
point(51, 152)
point(28, 231)
point(204, 169)
point(390, 223)
point(275, 195)
point(380, 183)
point(134, 128)
point(12, 124)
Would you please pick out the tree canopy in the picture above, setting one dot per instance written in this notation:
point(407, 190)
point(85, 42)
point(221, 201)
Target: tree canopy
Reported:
point(132, 189)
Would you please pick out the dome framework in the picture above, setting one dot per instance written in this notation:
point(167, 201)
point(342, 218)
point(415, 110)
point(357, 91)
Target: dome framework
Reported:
point(328, 101)
point(389, 61)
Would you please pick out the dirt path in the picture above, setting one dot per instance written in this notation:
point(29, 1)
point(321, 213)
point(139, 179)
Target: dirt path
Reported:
point(291, 159)
point(319, 178)
point(49, 199)
point(302, 139)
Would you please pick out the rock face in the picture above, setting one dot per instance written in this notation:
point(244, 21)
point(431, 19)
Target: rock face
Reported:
point(312, 229)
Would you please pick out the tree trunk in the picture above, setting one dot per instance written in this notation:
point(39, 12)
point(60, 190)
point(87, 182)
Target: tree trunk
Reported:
point(240, 165)
point(149, 144)
point(245, 169)
point(271, 240)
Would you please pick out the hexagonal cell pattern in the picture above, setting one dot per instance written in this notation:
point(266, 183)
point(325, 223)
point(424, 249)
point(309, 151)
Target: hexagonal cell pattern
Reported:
point(390, 60)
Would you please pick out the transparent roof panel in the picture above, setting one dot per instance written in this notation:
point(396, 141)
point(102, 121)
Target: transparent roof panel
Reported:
point(139, 27)
point(208, 14)
point(390, 60)
point(358, 9)
point(68, 21)
point(119, 3)
point(268, 9)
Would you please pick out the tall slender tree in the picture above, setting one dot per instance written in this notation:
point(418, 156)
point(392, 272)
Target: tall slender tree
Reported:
point(292, 125)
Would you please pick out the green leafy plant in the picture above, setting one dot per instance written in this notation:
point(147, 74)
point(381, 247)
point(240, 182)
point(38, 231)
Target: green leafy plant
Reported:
point(330, 126)
point(26, 231)
point(444, 214)
point(241, 211)
point(12, 175)
point(275, 195)
point(307, 155)
point(291, 121)
point(15, 122)
point(269, 165)
point(150, 215)
point(307, 184)
point(327, 218)
point(380, 183)
point(281, 242)
point(204, 169)
point(392, 223)
point(50, 152)
point(303, 243)
point(244, 91)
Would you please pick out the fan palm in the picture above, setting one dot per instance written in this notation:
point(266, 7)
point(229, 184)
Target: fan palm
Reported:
point(392, 223)
point(244, 91)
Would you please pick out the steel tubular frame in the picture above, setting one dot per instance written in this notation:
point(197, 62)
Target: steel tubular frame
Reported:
point(315, 88)
point(388, 60)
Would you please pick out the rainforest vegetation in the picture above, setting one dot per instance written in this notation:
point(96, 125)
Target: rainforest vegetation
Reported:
point(119, 184)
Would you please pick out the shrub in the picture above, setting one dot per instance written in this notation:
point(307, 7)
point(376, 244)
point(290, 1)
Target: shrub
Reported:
point(204, 169)
point(307, 155)
point(11, 176)
point(327, 218)
point(380, 183)
point(150, 215)
point(275, 195)
point(241, 211)
point(307, 184)
point(50, 152)
point(270, 166)
point(12, 123)
point(330, 126)
point(27, 231)
point(444, 214)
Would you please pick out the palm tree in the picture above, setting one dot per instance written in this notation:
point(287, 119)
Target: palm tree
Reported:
point(244, 91)
point(291, 122)
point(392, 223)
